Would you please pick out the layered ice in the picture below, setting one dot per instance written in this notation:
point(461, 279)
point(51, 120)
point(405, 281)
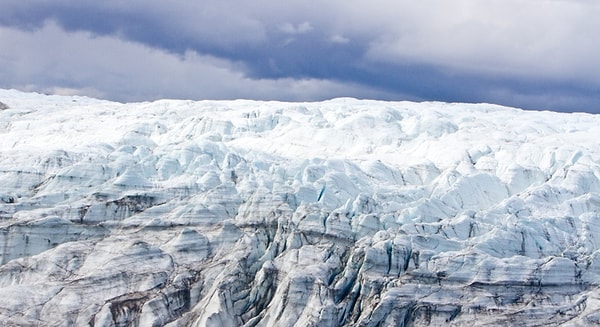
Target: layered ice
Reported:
point(337, 213)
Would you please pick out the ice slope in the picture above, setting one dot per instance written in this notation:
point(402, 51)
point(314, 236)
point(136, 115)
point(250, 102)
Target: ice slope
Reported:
point(336, 213)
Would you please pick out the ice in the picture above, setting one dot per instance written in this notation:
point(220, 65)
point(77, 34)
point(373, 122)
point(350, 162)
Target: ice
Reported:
point(337, 213)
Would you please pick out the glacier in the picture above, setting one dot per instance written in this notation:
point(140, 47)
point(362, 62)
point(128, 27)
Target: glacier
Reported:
point(336, 213)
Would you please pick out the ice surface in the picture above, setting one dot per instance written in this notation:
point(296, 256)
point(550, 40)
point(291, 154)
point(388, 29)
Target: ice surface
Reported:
point(342, 212)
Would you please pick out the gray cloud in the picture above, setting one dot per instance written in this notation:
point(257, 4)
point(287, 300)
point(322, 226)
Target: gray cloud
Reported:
point(527, 53)
point(54, 61)
point(549, 39)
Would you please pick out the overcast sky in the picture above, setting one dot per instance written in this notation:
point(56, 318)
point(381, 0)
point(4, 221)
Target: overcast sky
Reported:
point(533, 54)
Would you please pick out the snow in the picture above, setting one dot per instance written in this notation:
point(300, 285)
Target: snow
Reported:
point(342, 212)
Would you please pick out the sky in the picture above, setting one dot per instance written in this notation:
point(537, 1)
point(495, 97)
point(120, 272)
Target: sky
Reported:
point(531, 54)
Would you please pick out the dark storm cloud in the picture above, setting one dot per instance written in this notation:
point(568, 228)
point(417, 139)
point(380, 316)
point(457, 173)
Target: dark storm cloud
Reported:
point(174, 25)
point(538, 54)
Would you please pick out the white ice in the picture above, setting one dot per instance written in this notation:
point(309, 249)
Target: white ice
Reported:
point(342, 212)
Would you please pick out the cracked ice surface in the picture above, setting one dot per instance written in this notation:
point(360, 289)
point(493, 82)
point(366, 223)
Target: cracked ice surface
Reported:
point(343, 212)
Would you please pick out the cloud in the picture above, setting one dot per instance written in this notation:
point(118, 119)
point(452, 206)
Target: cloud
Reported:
point(340, 39)
point(545, 39)
point(544, 52)
point(55, 61)
point(301, 28)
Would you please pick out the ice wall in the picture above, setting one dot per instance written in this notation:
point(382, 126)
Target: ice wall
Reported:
point(343, 212)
